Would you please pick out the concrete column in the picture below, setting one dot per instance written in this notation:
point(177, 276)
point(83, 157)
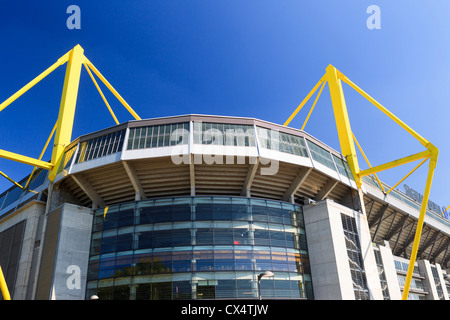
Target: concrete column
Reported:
point(425, 269)
point(390, 272)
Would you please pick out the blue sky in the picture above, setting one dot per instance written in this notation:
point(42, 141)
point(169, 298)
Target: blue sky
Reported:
point(253, 58)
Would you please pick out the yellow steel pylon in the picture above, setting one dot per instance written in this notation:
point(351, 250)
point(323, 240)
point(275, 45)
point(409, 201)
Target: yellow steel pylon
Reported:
point(75, 58)
point(347, 141)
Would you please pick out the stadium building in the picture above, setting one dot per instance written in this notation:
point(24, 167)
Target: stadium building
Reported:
point(214, 207)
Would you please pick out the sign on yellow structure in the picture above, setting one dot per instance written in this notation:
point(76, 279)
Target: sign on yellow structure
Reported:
point(347, 140)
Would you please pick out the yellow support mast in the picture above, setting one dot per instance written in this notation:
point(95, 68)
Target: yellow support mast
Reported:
point(3, 286)
point(334, 78)
point(75, 58)
point(66, 115)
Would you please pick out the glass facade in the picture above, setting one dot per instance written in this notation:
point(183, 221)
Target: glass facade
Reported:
point(283, 142)
point(100, 146)
point(321, 155)
point(224, 134)
point(199, 248)
point(355, 259)
point(158, 136)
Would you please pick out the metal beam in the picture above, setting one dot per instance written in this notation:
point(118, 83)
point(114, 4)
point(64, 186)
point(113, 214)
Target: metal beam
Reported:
point(26, 160)
point(292, 116)
point(192, 174)
point(64, 126)
point(408, 241)
point(33, 82)
point(140, 194)
point(445, 260)
point(296, 184)
point(403, 227)
point(443, 247)
point(253, 168)
point(342, 122)
point(434, 154)
point(378, 216)
point(4, 286)
point(379, 224)
point(113, 91)
point(395, 163)
point(88, 189)
point(398, 226)
point(428, 242)
point(327, 188)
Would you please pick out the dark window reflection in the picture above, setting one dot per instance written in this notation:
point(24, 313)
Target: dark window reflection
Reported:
point(138, 248)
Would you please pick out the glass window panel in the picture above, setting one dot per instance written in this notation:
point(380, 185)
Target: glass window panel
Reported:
point(204, 211)
point(204, 260)
point(321, 155)
point(244, 288)
point(259, 213)
point(244, 260)
point(262, 237)
point(161, 291)
point(181, 212)
point(223, 236)
point(241, 246)
point(158, 136)
point(267, 287)
point(100, 146)
point(242, 236)
point(162, 262)
point(204, 236)
point(181, 290)
point(222, 211)
point(143, 264)
point(223, 134)
point(124, 242)
point(226, 289)
point(181, 237)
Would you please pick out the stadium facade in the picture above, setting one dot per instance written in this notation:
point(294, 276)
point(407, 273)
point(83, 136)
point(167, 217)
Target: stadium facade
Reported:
point(200, 207)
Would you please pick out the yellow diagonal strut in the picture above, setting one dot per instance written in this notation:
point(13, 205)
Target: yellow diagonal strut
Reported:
point(62, 131)
point(75, 59)
point(347, 141)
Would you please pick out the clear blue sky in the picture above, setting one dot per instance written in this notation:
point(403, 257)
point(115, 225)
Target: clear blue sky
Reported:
point(252, 58)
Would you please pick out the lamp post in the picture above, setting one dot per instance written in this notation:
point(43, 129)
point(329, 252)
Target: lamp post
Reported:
point(264, 274)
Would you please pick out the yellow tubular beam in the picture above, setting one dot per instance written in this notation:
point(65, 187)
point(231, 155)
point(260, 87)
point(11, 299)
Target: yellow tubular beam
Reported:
point(42, 154)
point(343, 122)
point(11, 180)
point(314, 104)
point(395, 163)
point(110, 87)
point(367, 160)
point(3, 286)
point(422, 140)
point(24, 159)
point(101, 93)
point(423, 208)
point(417, 167)
point(24, 89)
point(304, 101)
point(66, 114)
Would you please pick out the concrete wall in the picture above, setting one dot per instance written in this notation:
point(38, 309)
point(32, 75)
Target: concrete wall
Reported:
point(327, 251)
point(72, 257)
point(390, 272)
point(32, 213)
point(63, 268)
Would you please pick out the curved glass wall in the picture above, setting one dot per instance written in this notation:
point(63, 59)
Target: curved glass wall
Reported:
point(199, 248)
